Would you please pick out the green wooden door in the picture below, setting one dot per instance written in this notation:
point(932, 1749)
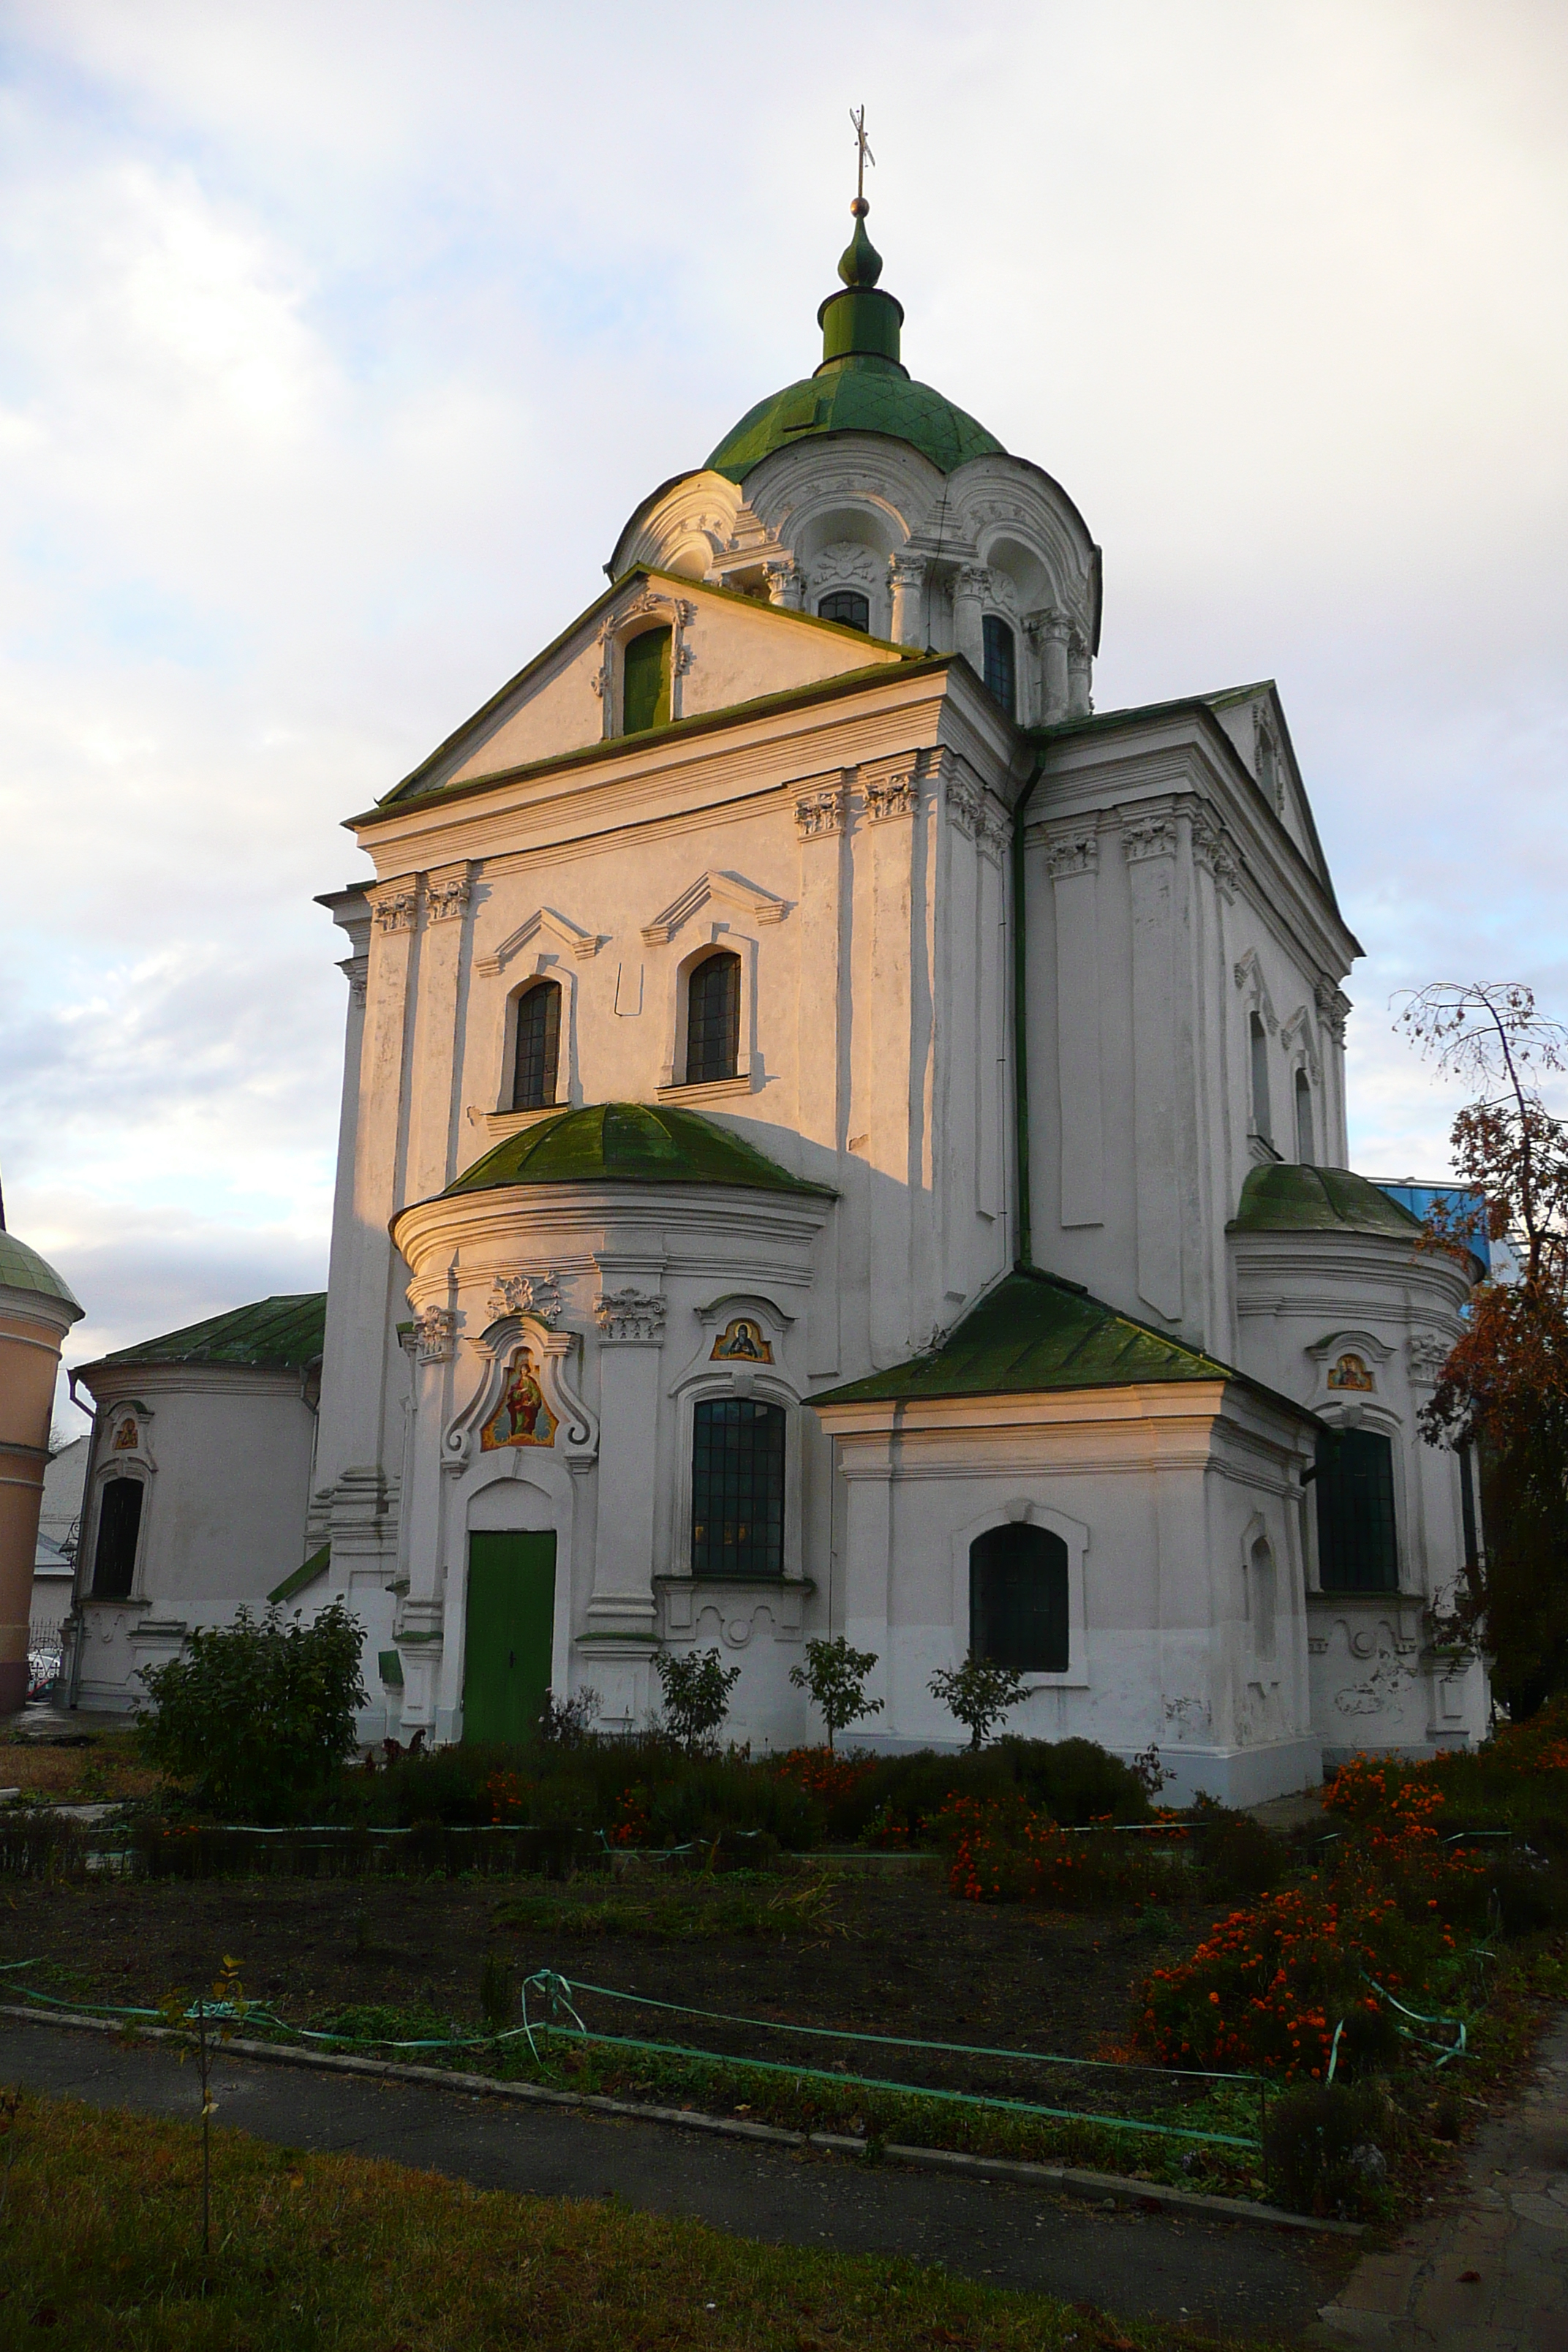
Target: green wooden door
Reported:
point(511, 1635)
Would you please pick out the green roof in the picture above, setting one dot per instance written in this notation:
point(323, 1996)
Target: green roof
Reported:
point(1036, 1332)
point(629, 1144)
point(22, 1268)
point(281, 1332)
point(854, 400)
point(1289, 1198)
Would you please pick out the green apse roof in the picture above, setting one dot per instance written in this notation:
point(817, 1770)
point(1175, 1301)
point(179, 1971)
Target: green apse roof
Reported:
point(1294, 1199)
point(22, 1268)
point(862, 386)
point(275, 1333)
point(1036, 1332)
point(629, 1144)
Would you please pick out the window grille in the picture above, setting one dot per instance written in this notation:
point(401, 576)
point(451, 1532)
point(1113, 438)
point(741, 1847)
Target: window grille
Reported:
point(1001, 663)
point(713, 1020)
point(1019, 1599)
point(536, 1064)
point(1357, 1549)
point(737, 1488)
point(848, 607)
point(119, 1525)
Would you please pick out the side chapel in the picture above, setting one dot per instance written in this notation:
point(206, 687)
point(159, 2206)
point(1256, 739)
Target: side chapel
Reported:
point(838, 1135)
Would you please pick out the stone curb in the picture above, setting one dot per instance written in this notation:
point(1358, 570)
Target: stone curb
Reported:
point(1063, 2180)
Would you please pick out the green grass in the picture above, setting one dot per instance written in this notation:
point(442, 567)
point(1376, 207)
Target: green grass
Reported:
point(334, 2254)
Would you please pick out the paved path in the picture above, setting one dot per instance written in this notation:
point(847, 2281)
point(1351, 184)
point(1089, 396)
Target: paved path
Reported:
point(1489, 2271)
point(1140, 2266)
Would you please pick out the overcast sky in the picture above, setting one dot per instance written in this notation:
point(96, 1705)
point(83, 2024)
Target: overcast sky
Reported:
point(337, 342)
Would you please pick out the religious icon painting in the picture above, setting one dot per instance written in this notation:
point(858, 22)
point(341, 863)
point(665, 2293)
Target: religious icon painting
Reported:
point(742, 1342)
point(523, 1417)
point(125, 1437)
point(1352, 1372)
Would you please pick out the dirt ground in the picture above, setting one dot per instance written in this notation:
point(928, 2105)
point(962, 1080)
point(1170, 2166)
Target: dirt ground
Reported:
point(887, 1956)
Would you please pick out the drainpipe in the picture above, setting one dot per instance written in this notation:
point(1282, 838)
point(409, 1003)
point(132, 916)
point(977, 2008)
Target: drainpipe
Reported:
point(1023, 1231)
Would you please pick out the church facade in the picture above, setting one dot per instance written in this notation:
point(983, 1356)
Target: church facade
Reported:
point(839, 1136)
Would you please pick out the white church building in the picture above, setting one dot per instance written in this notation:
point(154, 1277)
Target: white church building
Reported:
point(839, 1136)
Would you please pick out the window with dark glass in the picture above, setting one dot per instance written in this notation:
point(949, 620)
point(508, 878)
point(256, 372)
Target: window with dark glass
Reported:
point(1001, 666)
point(713, 1019)
point(1357, 1551)
point(737, 1488)
point(1258, 1040)
point(848, 607)
point(1305, 1151)
point(536, 1063)
point(644, 681)
point(1019, 1599)
point(119, 1525)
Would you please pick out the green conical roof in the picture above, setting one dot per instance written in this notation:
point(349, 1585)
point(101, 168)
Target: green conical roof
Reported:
point(629, 1144)
point(22, 1268)
point(861, 386)
point(1292, 1198)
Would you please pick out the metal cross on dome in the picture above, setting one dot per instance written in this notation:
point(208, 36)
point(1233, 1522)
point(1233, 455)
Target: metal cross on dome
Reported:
point(863, 151)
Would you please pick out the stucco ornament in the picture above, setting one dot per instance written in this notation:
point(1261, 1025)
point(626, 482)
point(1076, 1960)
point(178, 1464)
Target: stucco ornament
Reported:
point(630, 1317)
point(526, 1294)
point(436, 1334)
point(509, 1390)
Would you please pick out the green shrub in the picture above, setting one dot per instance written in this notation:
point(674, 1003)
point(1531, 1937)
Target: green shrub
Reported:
point(1326, 2153)
point(727, 1796)
point(1236, 1854)
point(1075, 1781)
point(257, 1713)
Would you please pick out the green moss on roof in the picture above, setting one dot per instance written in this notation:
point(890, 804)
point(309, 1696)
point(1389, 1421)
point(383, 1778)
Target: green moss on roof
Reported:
point(629, 1144)
point(274, 1333)
point(1292, 1199)
point(22, 1268)
point(853, 399)
point(1036, 1332)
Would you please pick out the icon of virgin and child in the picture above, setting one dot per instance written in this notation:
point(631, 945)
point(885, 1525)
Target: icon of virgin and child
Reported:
point(523, 1417)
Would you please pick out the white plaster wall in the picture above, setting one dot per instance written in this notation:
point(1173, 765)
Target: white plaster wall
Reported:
point(1304, 1299)
point(1158, 1497)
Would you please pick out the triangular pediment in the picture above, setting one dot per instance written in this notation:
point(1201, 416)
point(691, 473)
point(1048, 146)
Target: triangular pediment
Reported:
point(1254, 718)
point(726, 650)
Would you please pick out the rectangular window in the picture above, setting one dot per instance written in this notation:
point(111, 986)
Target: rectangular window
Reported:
point(1261, 1123)
point(119, 1526)
point(737, 1488)
point(1357, 1551)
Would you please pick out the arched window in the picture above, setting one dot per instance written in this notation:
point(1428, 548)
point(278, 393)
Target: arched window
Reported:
point(1019, 1599)
point(737, 1488)
point(1257, 1037)
point(1305, 1147)
point(1357, 1551)
point(848, 607)
point(1261, 1596)
point(644, 681)
point(1000, 665)
point(537, 1061)
point(713, 1019)
point(119, 1525)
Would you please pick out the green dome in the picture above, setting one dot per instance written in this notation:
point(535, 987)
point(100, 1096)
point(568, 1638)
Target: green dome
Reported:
point(862, 385)
point(22, 1268)
point(628, 1143)
point(1293, 1198)
point(853, 399)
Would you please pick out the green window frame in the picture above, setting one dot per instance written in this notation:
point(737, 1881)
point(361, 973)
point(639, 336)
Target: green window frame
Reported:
point(1019, 1613)
point(737, 1488)
point(1358, 1544)
point(644, 681)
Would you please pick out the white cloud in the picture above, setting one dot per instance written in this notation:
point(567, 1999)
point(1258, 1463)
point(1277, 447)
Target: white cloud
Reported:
point(338, 340)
